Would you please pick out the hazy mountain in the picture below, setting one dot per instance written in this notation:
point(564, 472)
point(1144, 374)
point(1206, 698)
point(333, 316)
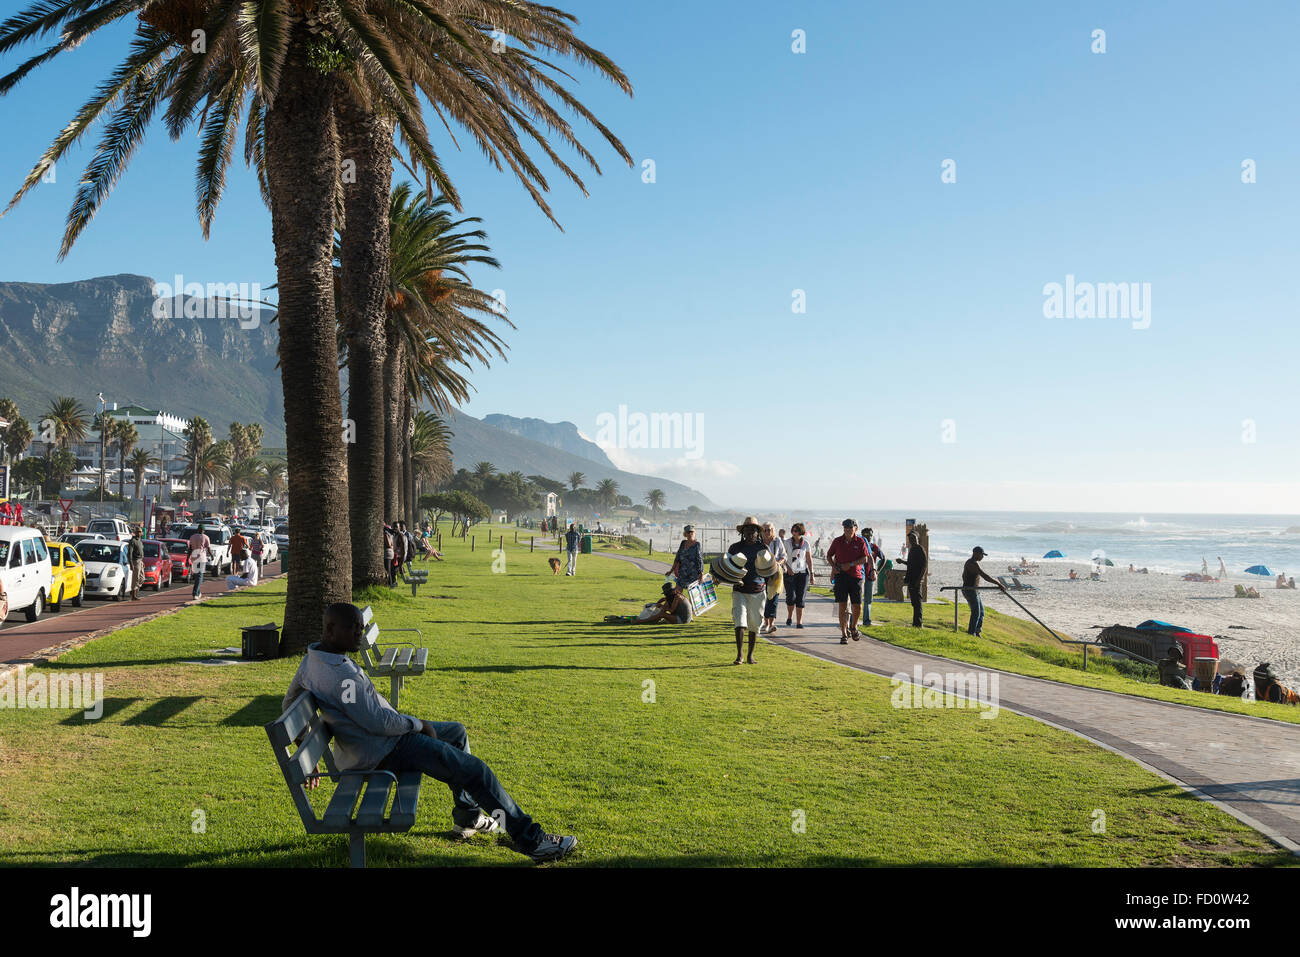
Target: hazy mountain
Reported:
point(476, 441)
point(111, 335)
point(559, 435)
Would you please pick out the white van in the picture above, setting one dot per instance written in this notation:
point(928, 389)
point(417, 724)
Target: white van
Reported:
point(112, 528)
point(25, 569)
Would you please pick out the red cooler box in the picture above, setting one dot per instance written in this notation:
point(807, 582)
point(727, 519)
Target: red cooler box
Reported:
point(1196, 646)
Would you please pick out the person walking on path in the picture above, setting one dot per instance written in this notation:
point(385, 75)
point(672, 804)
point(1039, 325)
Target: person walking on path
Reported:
point(971, 573)
point(688, 566)
point(917, 562)
point(798, 574)
point(135, 558)
point(198, 551)
point(370, 734)
point(238, 548)
point(776, 548)
point(571, 539)
point(874, 555)
point(846, 555)
point(747, 594)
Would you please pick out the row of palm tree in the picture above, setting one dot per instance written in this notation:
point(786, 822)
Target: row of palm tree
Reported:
point(305, 79)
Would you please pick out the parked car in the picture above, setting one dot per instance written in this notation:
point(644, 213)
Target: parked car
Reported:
point(157, 565)
point(113, 528)
point(73, 538)
point(68, 575)
point(219, 536)
point(25, 569)
point(108, 573)
point(179, 551)
point(282, 538)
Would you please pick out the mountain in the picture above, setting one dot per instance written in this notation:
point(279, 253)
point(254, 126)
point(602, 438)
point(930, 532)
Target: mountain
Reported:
point(477, 441)
point(558, 435)
point(186, 354)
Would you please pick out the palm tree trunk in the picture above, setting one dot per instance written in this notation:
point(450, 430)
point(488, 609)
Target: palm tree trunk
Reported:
point(409, 466)
point(302, 172)
point(367, 139)
point(394, 379)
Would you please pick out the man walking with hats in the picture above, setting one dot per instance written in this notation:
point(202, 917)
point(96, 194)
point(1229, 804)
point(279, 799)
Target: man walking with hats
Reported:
point(971, 573)
point(847, 555)
point(748, 594)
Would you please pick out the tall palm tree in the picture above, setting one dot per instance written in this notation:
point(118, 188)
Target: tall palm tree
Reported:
point(106, 425)
point(274, 478)
point(139, 462)
point(283, 63)
point(206, 467)
point(607, 493)
point(484, 469)
point(125, 436)
point(70, 419)
point(576, 479)
point(198, 434)
point(243, 475)
point(655, 499)
point(431, 450)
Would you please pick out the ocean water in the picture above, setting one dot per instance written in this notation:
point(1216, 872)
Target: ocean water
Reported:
point(1162, 543)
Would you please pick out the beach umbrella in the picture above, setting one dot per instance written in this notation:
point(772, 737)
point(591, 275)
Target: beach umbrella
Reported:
point(1103, 561)
point(1259, 570)
point(1054, 553)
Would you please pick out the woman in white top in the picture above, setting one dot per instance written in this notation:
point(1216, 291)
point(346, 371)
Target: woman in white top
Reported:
point(774, 545)
point(798, 573)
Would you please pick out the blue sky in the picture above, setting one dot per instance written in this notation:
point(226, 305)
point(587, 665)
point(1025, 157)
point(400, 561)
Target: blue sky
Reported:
point(820, 172)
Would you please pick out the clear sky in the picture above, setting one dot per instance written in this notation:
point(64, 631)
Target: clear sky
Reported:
point(923, 373)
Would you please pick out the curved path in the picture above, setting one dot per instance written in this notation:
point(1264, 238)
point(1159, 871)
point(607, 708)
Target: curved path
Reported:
point(1249, 767)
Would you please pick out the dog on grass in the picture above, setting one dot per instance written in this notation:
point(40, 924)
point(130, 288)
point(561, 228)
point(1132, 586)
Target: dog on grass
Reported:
point(555, 565)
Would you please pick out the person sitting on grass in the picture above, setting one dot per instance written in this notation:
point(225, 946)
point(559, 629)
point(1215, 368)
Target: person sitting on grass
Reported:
point(672, 608)
point(1171, 669)
point(370, 734)
point(247, 574)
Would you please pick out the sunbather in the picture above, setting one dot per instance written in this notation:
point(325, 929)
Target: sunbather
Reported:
point(672, 608)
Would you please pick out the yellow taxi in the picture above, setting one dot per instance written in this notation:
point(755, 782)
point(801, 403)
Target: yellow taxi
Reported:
point(68, 575)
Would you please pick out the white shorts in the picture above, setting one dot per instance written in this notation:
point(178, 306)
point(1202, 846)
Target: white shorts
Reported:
point(747, 610)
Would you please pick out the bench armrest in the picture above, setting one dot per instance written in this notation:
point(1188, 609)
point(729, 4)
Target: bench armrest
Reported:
point(344, 774)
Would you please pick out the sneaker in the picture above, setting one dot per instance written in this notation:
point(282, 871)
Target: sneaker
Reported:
point(484, 825)
point(552, 847)
point(843, 640)
point(800, 625)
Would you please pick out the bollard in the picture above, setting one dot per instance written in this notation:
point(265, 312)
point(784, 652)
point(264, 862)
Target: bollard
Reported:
point(530, 542)
point(471, 543)
point(651, 549)
point(489, 536)
point(516, 537)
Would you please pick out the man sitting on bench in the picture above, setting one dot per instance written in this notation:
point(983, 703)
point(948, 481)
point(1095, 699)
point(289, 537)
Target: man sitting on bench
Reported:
point(370, 734)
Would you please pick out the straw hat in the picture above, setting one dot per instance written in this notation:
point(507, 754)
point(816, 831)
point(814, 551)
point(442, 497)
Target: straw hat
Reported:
point(726, 569)
point(749, 521)
point(765, 565)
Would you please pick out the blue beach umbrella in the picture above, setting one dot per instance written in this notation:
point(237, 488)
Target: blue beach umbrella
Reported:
point(1259, 570)
point(1054, 553)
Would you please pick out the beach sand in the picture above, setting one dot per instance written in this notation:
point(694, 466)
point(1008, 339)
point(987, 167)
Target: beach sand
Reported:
point(1249, 630)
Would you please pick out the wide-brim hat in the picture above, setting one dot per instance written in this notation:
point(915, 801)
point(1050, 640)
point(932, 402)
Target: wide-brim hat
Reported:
point(765, 565)
point(725, 570)
point(747, 523)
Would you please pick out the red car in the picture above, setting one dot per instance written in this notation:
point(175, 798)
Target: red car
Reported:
point(157, 565)
point(178, 549)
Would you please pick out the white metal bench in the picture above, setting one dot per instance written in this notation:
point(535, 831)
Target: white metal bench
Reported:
point(416, 577)
point(360, 802)
point(394, 663)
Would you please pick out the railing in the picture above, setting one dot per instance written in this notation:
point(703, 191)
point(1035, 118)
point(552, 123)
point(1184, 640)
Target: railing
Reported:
point(956, 607)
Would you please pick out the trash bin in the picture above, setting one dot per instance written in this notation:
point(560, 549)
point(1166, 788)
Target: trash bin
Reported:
point(585, 545)
point(261, 642)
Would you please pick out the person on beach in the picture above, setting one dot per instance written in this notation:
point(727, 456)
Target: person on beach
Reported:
point(776, 548)
point(571, 538)
point(917, 562)
point(874, 556)
point(197, 551)
point(688, 565)
point(1223, 571)
point(135, 558)
point(799, 574)
point(846, 555)
point(1205, 566)
point(971, 573)
point(747, 595)
point(370, 734)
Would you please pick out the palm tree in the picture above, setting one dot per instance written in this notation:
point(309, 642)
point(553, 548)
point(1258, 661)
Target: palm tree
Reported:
point(607, 493)
point(126, 436)
point(284, 64)
point(16, 437)
point(274, 478)
point(576, 479)
point(206, 467)
point(106, 425)
point(245, 475)
point(655, 499)
point(430, 450)
point(139, 462)
point(69, 417)
point(484, 469)
point(199, 435)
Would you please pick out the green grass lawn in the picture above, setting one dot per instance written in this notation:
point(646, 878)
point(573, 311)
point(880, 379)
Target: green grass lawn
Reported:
point(644, 741)
point(1022, 647)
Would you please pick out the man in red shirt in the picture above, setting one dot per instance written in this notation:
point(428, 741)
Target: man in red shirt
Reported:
point(847, 554)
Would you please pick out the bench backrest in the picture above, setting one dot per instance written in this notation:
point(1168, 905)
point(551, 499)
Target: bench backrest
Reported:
point(303, 718)
point(371, 653)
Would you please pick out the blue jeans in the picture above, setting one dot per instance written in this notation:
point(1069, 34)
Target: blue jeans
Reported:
point(867, 588)
point(196, 576)
point(473, 785)
point(573, 564)
point(972, 596)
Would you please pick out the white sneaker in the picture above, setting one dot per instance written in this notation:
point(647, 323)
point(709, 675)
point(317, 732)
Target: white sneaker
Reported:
point(484, 825)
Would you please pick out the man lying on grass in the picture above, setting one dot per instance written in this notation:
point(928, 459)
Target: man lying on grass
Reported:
point(369, 733)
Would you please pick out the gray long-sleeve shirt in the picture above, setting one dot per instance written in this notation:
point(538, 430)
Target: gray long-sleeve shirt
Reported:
point(365, 726)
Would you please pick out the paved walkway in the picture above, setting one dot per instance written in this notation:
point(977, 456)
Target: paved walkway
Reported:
point(1250, 767)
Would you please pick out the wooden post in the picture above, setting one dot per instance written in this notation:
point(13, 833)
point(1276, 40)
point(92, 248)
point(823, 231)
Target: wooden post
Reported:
point(516, 537)
point(471, 543)
point(531, 539)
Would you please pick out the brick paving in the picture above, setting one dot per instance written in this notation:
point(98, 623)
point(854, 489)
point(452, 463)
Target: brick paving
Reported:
point(1250, 767)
